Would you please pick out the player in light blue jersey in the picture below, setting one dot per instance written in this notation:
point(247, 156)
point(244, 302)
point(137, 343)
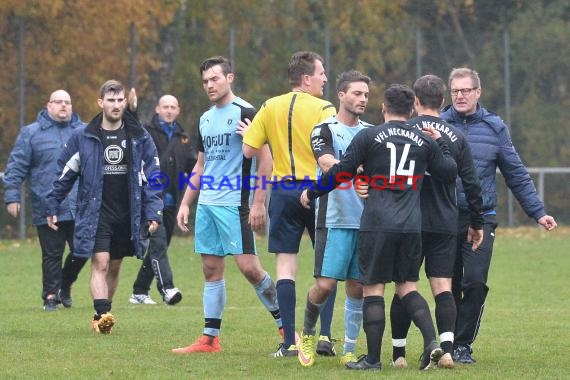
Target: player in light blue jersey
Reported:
point(224, 220)
point(337, 221)
point(338, 209)
point(224, 164)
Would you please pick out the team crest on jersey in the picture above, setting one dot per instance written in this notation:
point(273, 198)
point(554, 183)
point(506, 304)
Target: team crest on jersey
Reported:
point(113, 154)
point(230, 121)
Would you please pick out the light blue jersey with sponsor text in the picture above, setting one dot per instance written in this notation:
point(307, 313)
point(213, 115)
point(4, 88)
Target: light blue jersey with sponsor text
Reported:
point(225, 167)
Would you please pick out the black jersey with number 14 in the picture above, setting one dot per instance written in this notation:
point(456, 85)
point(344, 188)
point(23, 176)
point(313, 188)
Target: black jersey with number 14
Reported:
point(395, 157)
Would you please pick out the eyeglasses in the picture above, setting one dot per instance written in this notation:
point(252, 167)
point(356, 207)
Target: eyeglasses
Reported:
point(464, 91)
point(59, 101)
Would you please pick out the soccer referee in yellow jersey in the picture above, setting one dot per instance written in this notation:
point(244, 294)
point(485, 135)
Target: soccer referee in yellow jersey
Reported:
point(286, 122)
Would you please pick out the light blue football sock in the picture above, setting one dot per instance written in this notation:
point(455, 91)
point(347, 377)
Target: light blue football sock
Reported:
point(214, 299)
point(352, 323)
point(267, 294)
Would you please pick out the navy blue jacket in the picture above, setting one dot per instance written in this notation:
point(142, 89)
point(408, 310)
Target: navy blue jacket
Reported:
point(34, 159)
point(83, 159)
point(177, 156)
point(492, 148)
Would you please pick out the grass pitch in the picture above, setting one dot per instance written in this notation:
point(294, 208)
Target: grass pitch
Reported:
point(525, 332)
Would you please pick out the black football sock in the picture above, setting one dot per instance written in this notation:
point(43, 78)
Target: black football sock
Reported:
point(418, 310)
point(101, 307)
point(400, 322)
point(445, 315)
point(373, 322)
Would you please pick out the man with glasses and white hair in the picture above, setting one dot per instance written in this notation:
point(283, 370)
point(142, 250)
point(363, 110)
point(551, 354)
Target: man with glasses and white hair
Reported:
point(34, 158)
point(492, 148)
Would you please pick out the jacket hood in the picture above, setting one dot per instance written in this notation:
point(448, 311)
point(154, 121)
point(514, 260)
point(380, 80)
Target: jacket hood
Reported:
point(45, 121)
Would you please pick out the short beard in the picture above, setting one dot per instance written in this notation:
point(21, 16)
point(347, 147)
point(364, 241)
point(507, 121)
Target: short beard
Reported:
point(112, 119)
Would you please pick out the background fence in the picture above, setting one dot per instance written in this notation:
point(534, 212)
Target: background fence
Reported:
point(552, 187)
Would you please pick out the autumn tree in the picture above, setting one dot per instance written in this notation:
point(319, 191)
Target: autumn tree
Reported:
point(74, 45)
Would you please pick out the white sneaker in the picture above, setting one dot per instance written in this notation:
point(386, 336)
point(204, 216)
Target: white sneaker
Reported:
point(141, 299)
point(172, 296)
